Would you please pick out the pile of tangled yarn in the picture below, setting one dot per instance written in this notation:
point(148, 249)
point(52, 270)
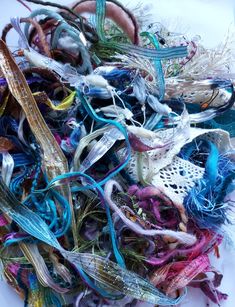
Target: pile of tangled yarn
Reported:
point(117, 164)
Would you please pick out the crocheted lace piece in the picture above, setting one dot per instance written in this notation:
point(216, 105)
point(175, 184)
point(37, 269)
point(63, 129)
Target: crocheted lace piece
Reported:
point(177, 179)
point(215, 99)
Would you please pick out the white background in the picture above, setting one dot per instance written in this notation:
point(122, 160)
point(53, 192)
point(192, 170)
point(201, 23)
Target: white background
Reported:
point(208, 18)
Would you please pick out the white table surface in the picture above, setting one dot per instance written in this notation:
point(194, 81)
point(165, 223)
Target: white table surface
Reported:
point(208, 18)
